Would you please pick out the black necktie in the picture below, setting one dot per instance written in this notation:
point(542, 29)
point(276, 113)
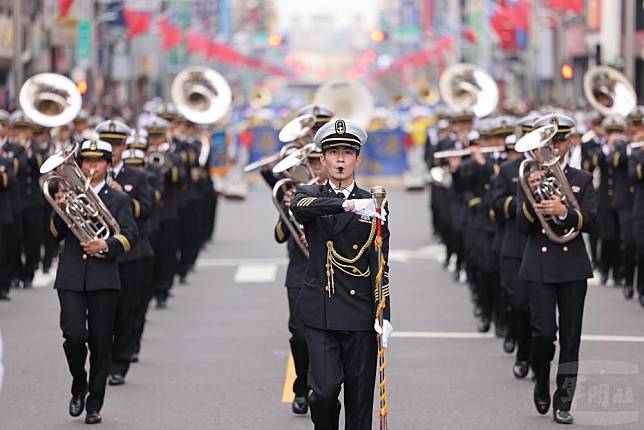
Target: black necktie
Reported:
point(340, 195)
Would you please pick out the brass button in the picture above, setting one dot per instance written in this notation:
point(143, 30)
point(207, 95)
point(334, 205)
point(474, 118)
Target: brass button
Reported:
point(610, 192)
point(355, 246)
point(329, 242)
point(352, 292)
point(544, 249)
point(543, 231)
point(84, 257)
point(486, 186)
point(631, 189)
point(565, 249)
point(326, 288)
point(355, 270)
point(610, 181)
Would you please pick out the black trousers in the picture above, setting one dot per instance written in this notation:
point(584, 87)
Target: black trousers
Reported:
point(141, 307)
point(88, 318)
point(32, 238)
point(517, 293)
point(132, 276)
point(14, 234)
point(5, 259)
point(336, 358)
point(166, 261)
point(190, 242)
point(298, 345)
point(545, 299)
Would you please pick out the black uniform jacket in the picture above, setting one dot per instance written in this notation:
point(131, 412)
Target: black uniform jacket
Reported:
point(637, 173)
point(296, 258)
point(505, 207)
point(135, 183)
point(79, 272)
point(548, 262)
point(7, 184)
point(339, 284)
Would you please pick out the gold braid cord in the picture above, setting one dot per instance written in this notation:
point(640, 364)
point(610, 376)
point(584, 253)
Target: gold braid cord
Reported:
point(383, 410)
point(346, 265)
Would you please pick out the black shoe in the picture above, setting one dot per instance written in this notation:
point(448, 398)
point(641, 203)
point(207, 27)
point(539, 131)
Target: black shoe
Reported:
point(508, 345)
point(483, 326)
point(541, 398)
point(15, 283)
point(446, 262)
point(4, 296)
point(456, 276)
point(116, 379)
point(477, 311)
point(27, 284)
point(628, 292)
point(183, 280)
point(300, 405)
point(93, 417)
point(603, 278)
point(520, 369)
point(642, 301)
point(500, 330)
point(162, 303)
point(134, 358)
point(562, 417)
point(77, 404)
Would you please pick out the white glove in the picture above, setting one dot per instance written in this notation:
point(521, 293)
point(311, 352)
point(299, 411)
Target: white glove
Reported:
point(385, 331)
point(366, 207)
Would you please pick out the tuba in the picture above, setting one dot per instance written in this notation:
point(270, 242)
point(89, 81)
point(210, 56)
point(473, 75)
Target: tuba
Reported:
point(608, 91)
point(202, 95)
point(50, 99)
point(466, 86)
point(347, 99)
point(297, 170)
point(83, 211)
point(537, 143)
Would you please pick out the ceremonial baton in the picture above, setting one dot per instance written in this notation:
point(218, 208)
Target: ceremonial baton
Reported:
point(378, 194)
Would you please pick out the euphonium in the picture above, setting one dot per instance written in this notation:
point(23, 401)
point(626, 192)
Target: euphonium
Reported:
point(544, 156)
point(298, 171)
point(83, 211)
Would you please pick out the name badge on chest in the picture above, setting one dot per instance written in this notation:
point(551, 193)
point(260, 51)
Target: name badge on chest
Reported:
point(365, 219)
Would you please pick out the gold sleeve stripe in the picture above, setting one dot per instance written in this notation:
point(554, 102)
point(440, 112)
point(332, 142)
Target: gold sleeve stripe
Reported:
point(595, 160)
point(184, 157)
point(124, 241)
point(580, 222)
point(52, 229)
point(16, 166)
point(5, 179)
point(136, 208)
point(527, 213)
point(506, 206)
point(616, 159)
point(305, 201)
point(157, 196)
point(175, 175)
point(491, 215)
point(39, 160)
point(279, 230)
point(497, 169)
point(473, 202)
point(638, 169)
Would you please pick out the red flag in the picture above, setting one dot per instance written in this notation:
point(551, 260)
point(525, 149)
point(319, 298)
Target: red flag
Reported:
point(575, 7)
point(505, 24)
point(63, 7)
point(138, 22)
point(469, 35)
point(171, 33)
point(197, 41)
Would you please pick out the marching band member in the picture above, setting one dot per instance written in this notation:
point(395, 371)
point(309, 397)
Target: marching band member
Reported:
point(636, 169)
point(336, 303)
point(87, 281)
point(7, 188)
point(551, 288)
point(131, 267)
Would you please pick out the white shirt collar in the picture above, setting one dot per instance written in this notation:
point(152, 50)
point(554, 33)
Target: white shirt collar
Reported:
point(99, 187)
point(345, 190)
point(117, 169)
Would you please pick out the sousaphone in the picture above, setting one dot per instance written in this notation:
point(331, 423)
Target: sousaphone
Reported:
point(50, 99)
point(347, 100)
point(466, 86)
point(609, 91)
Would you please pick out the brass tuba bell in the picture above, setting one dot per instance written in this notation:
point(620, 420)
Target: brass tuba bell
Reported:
point(466, 86)
point(201, 95)
point(609, 91)
point(50, 99)
point(347, 100)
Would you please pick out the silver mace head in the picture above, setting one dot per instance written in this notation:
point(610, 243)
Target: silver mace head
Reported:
point(378, 194)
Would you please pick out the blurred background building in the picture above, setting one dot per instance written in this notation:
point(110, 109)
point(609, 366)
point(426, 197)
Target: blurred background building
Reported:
point(278, 51)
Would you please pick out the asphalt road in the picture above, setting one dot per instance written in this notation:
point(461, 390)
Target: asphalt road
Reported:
point(217, 357)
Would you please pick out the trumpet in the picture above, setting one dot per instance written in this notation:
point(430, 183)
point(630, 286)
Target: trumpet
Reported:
point(553, 183)
point(83, 211)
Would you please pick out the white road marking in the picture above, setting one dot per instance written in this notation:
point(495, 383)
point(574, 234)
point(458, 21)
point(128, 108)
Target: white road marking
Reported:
point(473, 335)
point(255, 273)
